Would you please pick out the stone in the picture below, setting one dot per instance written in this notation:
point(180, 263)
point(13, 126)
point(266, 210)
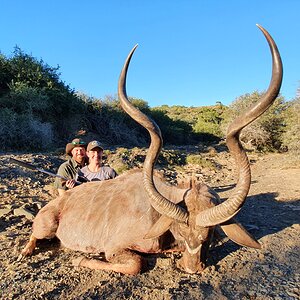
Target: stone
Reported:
point(21, 211)
point(4, 211)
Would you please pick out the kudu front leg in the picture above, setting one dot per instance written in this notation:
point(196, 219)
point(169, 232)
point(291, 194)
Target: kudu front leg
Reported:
point(125, 262)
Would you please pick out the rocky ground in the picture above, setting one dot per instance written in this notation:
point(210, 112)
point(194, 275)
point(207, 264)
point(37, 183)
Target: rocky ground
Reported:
point(271, 214)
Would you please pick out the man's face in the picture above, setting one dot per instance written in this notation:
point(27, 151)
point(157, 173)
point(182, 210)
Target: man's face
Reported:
point(78, 154)
point(95, 155)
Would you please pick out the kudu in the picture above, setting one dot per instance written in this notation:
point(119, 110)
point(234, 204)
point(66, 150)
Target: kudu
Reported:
point(137, 212)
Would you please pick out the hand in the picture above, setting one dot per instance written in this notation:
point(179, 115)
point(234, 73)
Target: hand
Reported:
point(70, 183)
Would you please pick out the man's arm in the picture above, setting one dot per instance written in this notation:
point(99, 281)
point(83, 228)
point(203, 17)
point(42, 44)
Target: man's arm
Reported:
point(59, 183)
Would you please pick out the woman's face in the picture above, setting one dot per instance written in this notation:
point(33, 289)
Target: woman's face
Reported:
point(95, 155)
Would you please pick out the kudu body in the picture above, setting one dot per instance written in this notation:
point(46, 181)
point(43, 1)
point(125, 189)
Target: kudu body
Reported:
point(139, 212)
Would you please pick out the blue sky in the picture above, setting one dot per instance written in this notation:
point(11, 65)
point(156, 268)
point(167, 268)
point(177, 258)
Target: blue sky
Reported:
point(190, 53)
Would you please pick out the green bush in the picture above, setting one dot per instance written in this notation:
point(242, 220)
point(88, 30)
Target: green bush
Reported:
point(23, 132)
point(33, 94)
point(111, 125)
point(174, 132)
point(209, 120)
point(24, 99)
point(38, 110)
point(290, 139)
point(197, 159)
point(190, 125)
point(265, 133)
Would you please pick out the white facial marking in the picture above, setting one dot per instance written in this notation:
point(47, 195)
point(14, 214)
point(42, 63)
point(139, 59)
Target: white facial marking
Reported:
point(192, 251)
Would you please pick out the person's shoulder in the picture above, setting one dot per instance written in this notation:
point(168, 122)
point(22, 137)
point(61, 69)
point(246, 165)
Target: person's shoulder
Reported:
point(109, 170)
point(64, 164)
point(63, 168)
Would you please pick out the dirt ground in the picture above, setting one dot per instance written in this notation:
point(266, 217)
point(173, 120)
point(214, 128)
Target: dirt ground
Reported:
point(271, 214)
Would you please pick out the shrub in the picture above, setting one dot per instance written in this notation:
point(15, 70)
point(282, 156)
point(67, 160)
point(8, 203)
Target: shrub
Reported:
point(290, 139)
point(265, 133)
point(112, 126)
point(171, 158)
point(189, 125)
point(24, 99)
point(23, 132)
point(32, 90)
point(197, 159)
point(209, 120)
point(174, 132)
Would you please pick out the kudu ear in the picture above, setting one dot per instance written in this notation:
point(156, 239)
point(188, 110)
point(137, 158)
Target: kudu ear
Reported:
point(159, 228)
point(238, 234)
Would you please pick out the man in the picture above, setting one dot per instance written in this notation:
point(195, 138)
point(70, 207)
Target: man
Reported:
point(69, 169)
point(94, 171)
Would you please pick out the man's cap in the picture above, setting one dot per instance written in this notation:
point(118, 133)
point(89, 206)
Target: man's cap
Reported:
point(75, 143)
point(94, 144)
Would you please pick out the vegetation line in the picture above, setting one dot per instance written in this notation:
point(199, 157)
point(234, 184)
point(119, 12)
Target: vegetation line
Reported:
point(38, 111)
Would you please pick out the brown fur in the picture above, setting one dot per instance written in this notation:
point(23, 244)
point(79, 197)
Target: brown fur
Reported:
point(107, 216)
point(115, 216)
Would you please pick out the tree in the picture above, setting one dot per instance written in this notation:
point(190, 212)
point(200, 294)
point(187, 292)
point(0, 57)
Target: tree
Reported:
point(32, 93)
point(265, 133)
point(209, 120)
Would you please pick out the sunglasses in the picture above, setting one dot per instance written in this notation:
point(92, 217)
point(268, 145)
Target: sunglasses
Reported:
point(79, 143)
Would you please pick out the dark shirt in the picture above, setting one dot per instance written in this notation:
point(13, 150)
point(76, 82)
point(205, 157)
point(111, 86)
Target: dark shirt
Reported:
point(69, 170)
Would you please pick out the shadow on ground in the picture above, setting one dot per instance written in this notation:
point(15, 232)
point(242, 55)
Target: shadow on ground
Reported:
point(261, 215)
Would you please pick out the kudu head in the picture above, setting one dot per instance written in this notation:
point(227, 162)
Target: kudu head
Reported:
point(198, 216)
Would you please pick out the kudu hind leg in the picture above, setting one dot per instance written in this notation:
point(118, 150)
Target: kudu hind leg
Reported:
point(125, 262)
point(44, 226)
point(29, 248)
